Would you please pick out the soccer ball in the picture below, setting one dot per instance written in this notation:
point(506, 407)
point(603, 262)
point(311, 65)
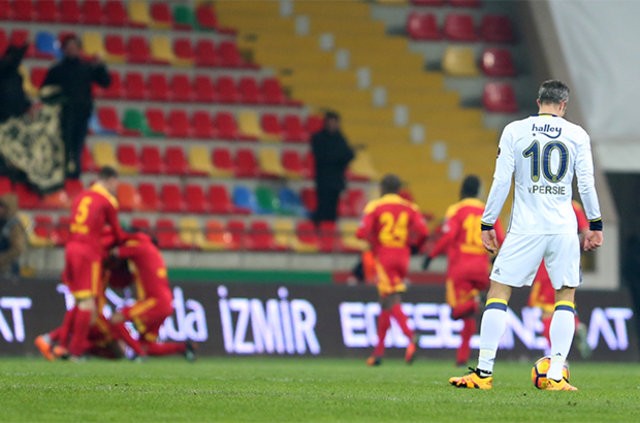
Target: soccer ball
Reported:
point(540, 369)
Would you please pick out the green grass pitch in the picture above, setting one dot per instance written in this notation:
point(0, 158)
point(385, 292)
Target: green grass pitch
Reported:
point(303, 390)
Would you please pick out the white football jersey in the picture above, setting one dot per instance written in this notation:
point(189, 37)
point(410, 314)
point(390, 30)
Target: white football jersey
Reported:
point(542, 153)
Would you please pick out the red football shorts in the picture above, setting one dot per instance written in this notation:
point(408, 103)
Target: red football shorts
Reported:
point(542, 293)
point(83, 270)
point(148, 315)
point(392, 267)
point(465, 281)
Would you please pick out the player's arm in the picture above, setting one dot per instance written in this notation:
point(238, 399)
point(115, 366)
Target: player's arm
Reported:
point(450, 229)
point(500, 234)
point(505, 164)
point(588, 195)
point(112, 220)
point(365, 230)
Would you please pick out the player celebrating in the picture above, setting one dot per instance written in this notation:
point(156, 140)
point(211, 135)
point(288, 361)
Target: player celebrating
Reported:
point(541, 153)
point(543, 295)
point(154, 300)
point(468, 261)
point(91, 211)
point(392, 226)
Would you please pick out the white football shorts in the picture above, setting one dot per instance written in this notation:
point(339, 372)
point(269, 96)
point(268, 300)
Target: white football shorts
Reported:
point(520, 256)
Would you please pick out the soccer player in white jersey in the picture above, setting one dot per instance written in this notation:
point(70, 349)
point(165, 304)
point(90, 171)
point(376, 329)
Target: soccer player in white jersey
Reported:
point(542, 153)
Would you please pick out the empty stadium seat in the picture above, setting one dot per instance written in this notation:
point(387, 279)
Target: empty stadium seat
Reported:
point(46, 45)
point(134, 123)
point(43, 227)
point(497, 29)
point(292, 164)
point(290, 202)
point(249, 91)
point(348, 238)
point(460, 61)
point(270, 165)
point(161, 17)
point(60, 233)
point(128, 163)
point(202, 125)
point(246, 164)
point(226, 89)
point(157, 87)
point(178, 125)
point(284, 234)
point(5, 185)
point(238, 233)
point(308, 165)
point(138, 50)
point(93, 44)
point(183, 50)
point(109, 121)
point(203, 89)
point(114, 90)
point(216, 236)
point(191, 235)
point(309, 199)
point(271, 126)
point(266, 201)
point(293, 130)
point(314, 123)
point(230, 56)
point(162, 51)
point(148, 197)
point(171, 198)
point(167, 235)
point(199, 162)
point(499, 97)
point(206, 54)
point(88, 164)
point(244, 200)
point(220, 200)
point(183, 17)
point(55, 200)
point(222, 162)
point(195, 200)
point(23, 10)
point(140, 224)
point(115, 13)
point(460, 27)
point(306, 240)
point(226, 126)
point(69, 11)
point(90, 12)
point(260, 237)
point(45, 11)
point(128, 197)
point(73, 187)
point(423, 26)
point(139, 15)
point(175, 162)
point(150, 160)
point(328, 237)
point(27, 199)
point(272, 91)
point(156, 122)
point(135, 88)
point(498, 62)
point(180, 88)
point(250, 126)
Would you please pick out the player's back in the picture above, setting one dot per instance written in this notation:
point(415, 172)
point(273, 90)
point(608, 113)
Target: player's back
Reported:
point(544, 151)
point(90, 213)
point(463, 219)
point(150, 267)
point(389, 223)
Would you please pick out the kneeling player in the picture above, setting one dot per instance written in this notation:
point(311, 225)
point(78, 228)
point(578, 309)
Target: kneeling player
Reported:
point(387, 225)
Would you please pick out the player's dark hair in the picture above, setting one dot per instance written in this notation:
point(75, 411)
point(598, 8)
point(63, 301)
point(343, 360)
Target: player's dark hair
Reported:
point(553, 92)
point(107, 172)
point(69, 38)
point(331, 114)
point(390, 184)
point(470, 187)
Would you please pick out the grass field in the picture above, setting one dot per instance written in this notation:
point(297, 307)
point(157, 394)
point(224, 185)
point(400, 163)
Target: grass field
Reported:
point(302, 390)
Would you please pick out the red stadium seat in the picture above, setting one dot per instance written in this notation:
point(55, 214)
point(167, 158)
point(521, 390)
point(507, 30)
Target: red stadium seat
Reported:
point(156, 122)
point(127, 158)
point(73, 187)
point(206, 54)
point(167, 235)
point(45, 11)
point(307, 235)
point(114, 91)
point(202, 125)
point(38, 75)
point(157, 87)
point(219, 200)
point(271, 125)
point(88, 165)
point(498, 62)
point(226, 89)
point(43, 226)
point(238, 232)
point(497, 29)
point(3, 35)
point(328, 237)
point(309, 199)
point(20, 37)
point(353, 202)
point(195, 199)
point(23, 10)
point(230, 55)
point(171, 198)
point(60, 233)
point(148, 197)
point(272, 91)
point(293, 129)
point(249, 91)
point(5, 185)
point(260, 237)
point(423, 26)
point(128, 197)
point(115, 13)
point(109, 121)
point(27, 199)
point(206, 17)
point(180, 88)
point(161, 14)
point(140, 224)
point(499, 97)
point(314, 123)
point(292, 163)
point(175, 162)
point(138, 50)
point(308, 164)
point(203, 89)
point(183, 50)
point(150, 160)
point(69, 11)
point(134, 86)
point(178, 125)
point(5, 11)
point(114, 46)
point(460, 27)
point(226, 126)
point(221, 159)
point(466, 3)
point(91, 12)
point(246, 164)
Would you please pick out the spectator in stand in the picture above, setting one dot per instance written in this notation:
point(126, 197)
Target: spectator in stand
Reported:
point(13, 238)
point(332, 155)
point(13, 100)
point(75, 75)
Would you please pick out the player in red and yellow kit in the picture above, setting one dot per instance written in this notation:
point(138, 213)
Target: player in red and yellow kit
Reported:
point(468, 261)
point(543, 295)
point(154, 299)
point(392, 226)
point(92, 210)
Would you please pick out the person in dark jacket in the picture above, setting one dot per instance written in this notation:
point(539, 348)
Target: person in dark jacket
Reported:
point(75, 75)
point(13, 100)
point(332, 155)
point(13, 237)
